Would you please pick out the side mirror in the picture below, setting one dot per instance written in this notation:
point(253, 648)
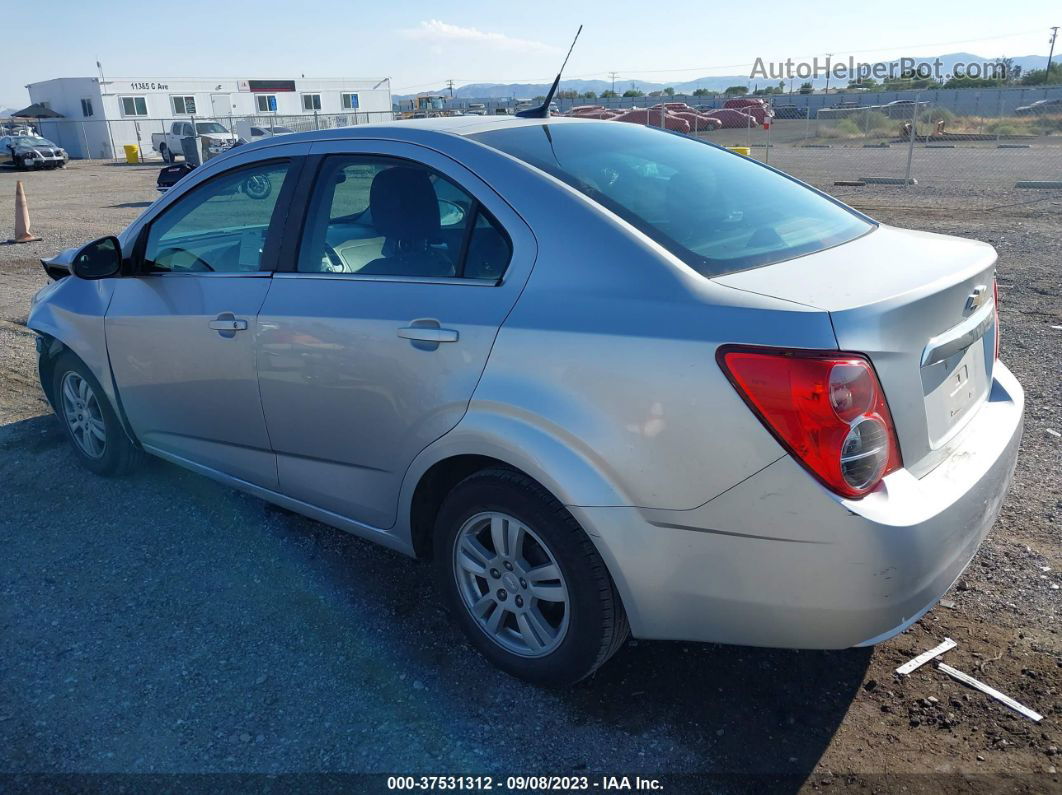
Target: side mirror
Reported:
point(100, 259)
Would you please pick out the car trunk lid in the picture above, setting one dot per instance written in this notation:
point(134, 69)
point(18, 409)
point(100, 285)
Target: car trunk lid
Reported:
point(920, 305)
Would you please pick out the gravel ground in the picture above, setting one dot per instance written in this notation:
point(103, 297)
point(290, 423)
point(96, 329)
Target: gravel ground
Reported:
point(165, 624)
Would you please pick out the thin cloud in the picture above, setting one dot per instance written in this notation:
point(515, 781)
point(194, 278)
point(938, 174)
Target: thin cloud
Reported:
point(438, 32)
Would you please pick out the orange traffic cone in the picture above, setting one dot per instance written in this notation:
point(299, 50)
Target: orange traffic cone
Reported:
point(22, 222)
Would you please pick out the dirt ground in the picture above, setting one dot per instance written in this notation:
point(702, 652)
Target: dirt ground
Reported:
point(164, 624)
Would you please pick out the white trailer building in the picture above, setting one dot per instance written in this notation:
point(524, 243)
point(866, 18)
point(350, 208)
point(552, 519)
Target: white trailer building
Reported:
point(101, 116)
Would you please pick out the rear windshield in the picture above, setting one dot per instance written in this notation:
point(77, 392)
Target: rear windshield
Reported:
point(717, 211)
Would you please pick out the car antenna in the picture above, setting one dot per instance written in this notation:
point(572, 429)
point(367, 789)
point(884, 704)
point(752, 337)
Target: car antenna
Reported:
point(542, 112)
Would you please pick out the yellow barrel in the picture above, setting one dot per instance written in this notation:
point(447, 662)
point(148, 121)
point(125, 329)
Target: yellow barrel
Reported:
point(132, 153)
point(741, 150)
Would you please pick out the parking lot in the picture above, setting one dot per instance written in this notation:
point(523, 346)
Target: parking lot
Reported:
point(165, 624)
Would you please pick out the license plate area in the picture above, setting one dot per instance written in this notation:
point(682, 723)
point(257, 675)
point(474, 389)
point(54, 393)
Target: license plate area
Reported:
point(953, 388)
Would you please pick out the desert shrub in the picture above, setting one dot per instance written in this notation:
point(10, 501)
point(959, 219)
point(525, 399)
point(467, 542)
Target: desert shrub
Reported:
point(933, 115)
point(845, 128)
point(1004, 128)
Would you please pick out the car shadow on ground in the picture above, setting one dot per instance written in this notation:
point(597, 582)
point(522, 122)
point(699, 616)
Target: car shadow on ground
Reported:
point(347, 638)
point(129, 205)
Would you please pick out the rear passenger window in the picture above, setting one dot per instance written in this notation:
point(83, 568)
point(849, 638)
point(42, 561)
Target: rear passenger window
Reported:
point(387, 217)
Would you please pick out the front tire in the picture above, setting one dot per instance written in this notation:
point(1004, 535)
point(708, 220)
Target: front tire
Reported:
point(98, 439)
point(524, 581)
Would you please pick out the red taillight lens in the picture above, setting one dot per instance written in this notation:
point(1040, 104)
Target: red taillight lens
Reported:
point(995, 300)
point(826, 409)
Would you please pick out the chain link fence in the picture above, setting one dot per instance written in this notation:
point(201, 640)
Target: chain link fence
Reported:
point(918, 143)
point(951, 139)
point(103, 139)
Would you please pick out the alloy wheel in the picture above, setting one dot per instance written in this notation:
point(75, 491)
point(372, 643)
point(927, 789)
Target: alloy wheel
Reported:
point(83, 416)
point(511, 584)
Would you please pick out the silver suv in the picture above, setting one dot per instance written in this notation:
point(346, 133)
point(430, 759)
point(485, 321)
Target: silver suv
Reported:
point(610, 379)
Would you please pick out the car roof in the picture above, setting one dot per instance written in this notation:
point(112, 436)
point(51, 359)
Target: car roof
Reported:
point(401, 130)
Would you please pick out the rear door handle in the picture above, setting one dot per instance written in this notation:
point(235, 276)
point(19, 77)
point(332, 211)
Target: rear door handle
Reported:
point(227, 322)
point(228, 325)
point(428, 334)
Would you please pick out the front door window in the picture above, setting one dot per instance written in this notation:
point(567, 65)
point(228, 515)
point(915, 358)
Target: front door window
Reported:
point(219, 227)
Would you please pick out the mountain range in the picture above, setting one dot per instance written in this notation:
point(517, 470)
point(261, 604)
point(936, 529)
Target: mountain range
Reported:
point(712, 83)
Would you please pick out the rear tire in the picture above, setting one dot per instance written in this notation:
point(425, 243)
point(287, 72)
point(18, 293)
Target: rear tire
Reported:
point(524, 581)
point(167, 155)
point(99, 441)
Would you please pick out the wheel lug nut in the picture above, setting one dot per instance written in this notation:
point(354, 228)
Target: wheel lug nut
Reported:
point(508, 566)
point(495, 573)
point(519, 601)
point(502, 595)
point(523, 583)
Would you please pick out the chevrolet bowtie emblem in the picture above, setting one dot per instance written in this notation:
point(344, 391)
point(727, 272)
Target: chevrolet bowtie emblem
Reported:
point(976, 299)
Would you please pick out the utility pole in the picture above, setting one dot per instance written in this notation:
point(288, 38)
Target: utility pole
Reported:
point(1054, 35)
point(613, 75)
point(829, 55)
point(450, 85)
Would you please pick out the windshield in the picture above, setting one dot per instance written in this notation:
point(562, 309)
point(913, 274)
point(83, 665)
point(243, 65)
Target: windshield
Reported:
point(207, 127)
point(30, 140)
point(716, 211)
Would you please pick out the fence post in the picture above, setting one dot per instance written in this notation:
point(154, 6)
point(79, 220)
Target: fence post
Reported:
point(910, 144)
point(316, 124)
point(999, 115)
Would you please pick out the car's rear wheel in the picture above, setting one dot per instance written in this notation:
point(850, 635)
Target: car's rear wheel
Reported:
point(99, 441)
point(167, 155)
point(524, 581)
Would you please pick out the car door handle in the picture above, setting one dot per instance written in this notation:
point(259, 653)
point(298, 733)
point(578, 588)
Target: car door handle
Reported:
point(228, 324)
point(428, 334)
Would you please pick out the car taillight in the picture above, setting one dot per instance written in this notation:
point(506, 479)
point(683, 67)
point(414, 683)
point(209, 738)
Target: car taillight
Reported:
point(995, 300)
point(826, 408)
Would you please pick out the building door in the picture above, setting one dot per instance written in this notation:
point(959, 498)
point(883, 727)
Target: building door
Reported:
point(221, 106)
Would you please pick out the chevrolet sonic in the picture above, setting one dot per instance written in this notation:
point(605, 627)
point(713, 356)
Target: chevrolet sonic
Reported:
point(611, 380)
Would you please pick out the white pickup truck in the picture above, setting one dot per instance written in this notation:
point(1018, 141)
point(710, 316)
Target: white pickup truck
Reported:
point(215, 139)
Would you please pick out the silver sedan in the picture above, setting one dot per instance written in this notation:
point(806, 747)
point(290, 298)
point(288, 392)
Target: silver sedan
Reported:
point(610, 379)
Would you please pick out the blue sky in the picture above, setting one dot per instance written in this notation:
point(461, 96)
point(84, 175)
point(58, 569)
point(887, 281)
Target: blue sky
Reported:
point(421, 44)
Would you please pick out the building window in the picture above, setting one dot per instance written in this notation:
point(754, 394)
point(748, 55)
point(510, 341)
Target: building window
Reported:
point(183, 106)
point(134, 106)
point(311, 101)
point(350, 101)
point(86, 107)
point(267, 102)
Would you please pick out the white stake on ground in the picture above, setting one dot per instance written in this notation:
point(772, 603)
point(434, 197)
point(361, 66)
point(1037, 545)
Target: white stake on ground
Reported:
point(926, 656)
point(1010, 702)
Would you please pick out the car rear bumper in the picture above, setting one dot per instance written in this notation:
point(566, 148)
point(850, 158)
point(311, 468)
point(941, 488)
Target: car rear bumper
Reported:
point(778, 560)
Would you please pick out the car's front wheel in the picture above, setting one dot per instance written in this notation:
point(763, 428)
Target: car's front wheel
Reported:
point(99, 441)
point(524, 581)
